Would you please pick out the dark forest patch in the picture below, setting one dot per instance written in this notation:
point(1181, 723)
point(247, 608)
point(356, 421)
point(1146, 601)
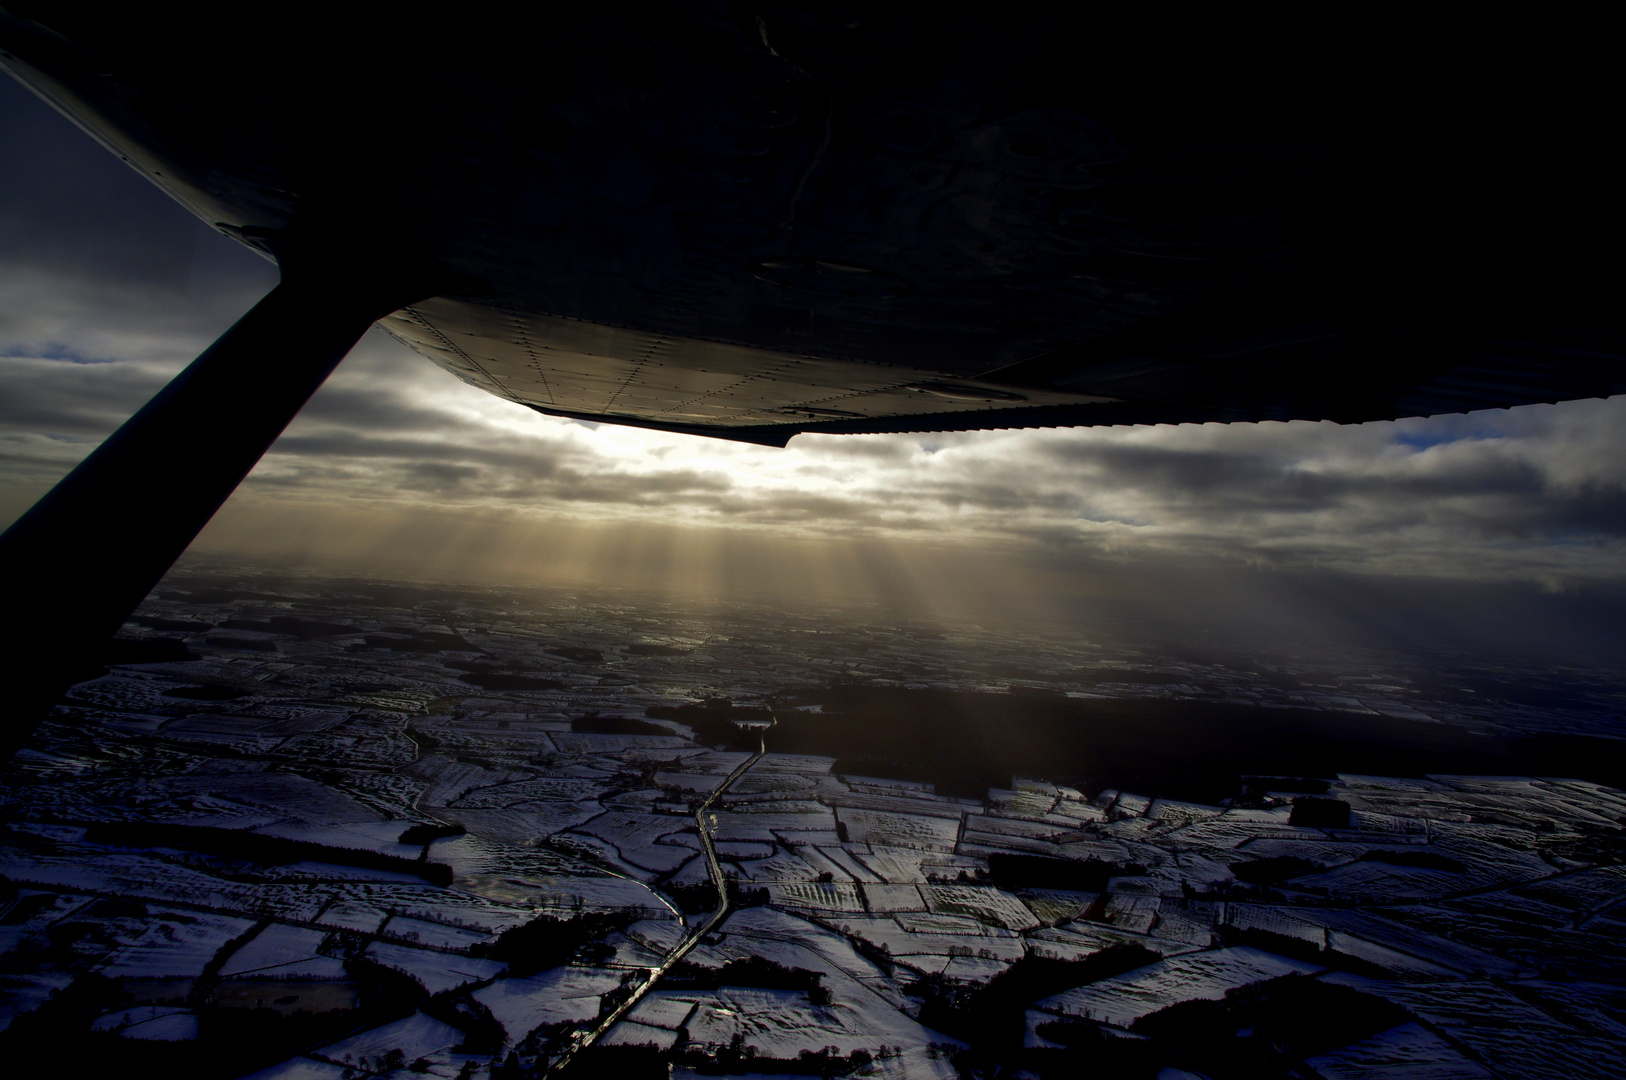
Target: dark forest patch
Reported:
point(578, 654)
point(476, 666)
point(549, 942)
point(206, 693)
point(1422, 860)
point(259, 848)
point(622, 1062)
point(992, 1016)
point(754, 972)
point(716, 721)
point(428, 832)
point(1009, 870)
point(616, 725)
point(1273, 870)
point(647, 649)
point(966, 742)
point(241, 644)
point(57, 1039)
point(292, 626)
point(1261, 1031)
point(501, 681)
point(700, 898)
point(1319, 813)
point(734, 1061)
point(174, 626)
point(417, 643)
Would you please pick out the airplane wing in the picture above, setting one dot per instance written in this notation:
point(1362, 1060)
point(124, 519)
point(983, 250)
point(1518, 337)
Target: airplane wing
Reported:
point(750, 221)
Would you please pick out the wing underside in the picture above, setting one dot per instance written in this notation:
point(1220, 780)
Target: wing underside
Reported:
point(1321, 371)
point(705, 220)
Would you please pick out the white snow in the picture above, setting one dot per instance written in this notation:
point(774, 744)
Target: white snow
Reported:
point(900, 830)
point(817, 895)
point(663, 1009)
point(782, 1023)
point(1200, 976)
point(436, 972)
point(896, 865)
point(661, 935)
point(1078, 940)
point(433, 935)
point(1132, 913)
point(415, 1037)
point(177, 944)
point(937, 923)
point(689, 781)
point(984, 903)
point(781, 867)
point(277, 946)
point(975, 968)
point(632, 1033)
point(761, 827)
point(893, 898)
point(635, 836)
point(1509, 1034)
point(351, 915)
point(562, 995)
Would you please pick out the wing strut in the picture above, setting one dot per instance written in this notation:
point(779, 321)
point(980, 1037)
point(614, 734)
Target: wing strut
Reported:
point(79, 562)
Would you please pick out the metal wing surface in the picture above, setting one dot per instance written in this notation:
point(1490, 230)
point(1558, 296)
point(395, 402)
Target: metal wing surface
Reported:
point(754, 220)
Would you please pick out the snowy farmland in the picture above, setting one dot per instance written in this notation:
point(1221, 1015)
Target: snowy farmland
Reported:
point(380, 868)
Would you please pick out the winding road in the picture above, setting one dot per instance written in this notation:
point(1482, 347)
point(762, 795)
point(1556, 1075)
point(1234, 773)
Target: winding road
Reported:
point(588, 1038)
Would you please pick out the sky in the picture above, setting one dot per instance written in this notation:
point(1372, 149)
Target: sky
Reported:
point(397, 468)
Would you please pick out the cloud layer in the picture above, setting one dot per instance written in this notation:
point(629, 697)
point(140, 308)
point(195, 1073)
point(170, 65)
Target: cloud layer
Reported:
point(107, 289)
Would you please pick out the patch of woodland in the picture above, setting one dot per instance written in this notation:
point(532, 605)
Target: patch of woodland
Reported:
point(646, 1062)
point(616, 725)
point(577, 653)
point(549, 941)
point(243, 846)
point(57, 1039)
point(502, 681)
point(1012, 870)
point(717, 722)
point(700, 898)
point(754, 972)
point(1260, 1032)
point(737, 1058)
point(965, 742)
point(427, 832)
point(292, 626)
point(991, 1016)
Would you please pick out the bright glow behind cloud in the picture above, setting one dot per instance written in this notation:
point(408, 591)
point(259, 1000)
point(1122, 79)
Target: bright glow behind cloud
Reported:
point(107, 289)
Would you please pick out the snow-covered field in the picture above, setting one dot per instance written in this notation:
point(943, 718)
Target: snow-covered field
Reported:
point(1492, 911)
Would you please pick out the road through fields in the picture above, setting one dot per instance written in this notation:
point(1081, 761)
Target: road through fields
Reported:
point(702, 819)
